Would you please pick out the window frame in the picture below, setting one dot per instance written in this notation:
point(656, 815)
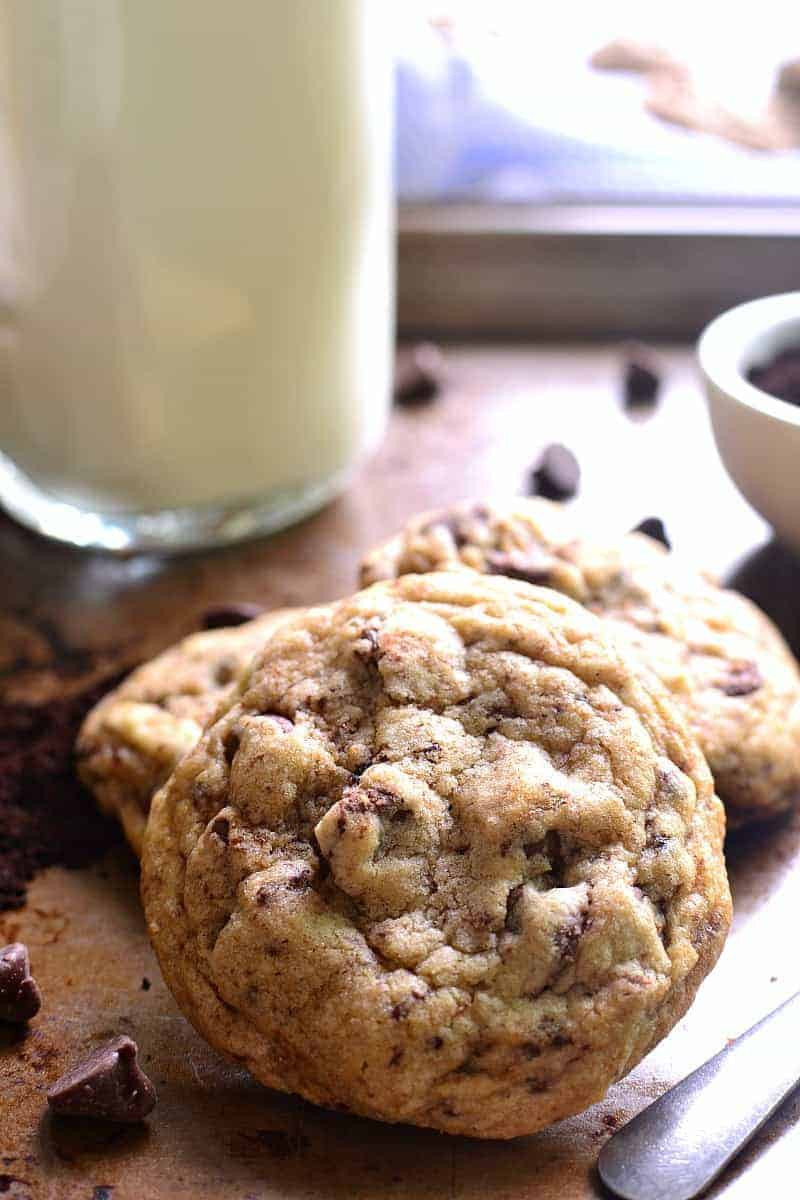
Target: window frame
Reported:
point(587, 271)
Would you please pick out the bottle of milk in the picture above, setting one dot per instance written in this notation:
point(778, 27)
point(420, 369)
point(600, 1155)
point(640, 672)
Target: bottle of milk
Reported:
point(203, 291)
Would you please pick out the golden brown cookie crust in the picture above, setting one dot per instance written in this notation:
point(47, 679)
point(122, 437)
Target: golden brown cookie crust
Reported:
point(133, 738)
point(719, 655)
point(447, 857)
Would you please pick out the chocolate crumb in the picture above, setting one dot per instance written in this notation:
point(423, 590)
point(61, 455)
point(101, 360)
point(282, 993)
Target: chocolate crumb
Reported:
point(418, 375)
point(557, 474)
point(20, 998)
point(108, 1085)
point(223, 616)
point(47, 818)
point(146, 984)
point(654, 528)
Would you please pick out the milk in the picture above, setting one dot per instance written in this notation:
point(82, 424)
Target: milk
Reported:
point(204, 301)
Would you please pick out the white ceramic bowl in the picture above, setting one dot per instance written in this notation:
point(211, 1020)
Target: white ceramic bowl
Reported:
point(758, 436)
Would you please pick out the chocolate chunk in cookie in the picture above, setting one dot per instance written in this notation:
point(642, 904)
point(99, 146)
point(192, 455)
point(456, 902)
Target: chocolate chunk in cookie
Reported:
point(742, 679)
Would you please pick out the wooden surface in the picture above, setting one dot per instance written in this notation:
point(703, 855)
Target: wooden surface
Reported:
point(67, 617)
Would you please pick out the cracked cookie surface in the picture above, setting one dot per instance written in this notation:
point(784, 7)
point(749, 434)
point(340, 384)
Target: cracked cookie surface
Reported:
point(720, 656)
point(133, 738)
point(447, 857)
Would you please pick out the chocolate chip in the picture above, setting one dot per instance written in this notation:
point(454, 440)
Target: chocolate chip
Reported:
point(146, 985)
point(109, 1085)
point(418, 375)
point(367, 647)
point(742, 679)
point(780, 377)
point(222, 616)
point(641, 382)
point(230, 745)
point(531, 567)
point(221, 826)
point(556, 475)
point(20, 998)
point(655, 529)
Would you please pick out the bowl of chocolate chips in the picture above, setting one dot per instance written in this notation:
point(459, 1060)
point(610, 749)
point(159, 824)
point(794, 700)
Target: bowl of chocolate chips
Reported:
point(750, 358)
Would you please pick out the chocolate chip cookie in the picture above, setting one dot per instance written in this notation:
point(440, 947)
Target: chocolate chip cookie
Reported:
point(722, 659)
point(132, 739)
point(446, 856)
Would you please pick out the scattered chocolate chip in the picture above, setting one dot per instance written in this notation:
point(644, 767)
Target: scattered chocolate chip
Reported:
point(418, 375)
point(222, 616)
point(531, 567)
point(146, 985)
point(780, 377)
point(654, 528)
point(556, 475)
point(742, 679)
point(641, 381)
point(109, 1085)
point(20, 998)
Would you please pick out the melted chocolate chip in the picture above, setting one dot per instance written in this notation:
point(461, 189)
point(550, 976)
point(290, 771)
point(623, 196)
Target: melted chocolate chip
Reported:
point(221, 826)
point(531, 567)
point(20, 998)
point(654, 528)
point(109, 1085)
point(557, 474)
point(222, 616)
point(418, 375)
point(742, 679)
